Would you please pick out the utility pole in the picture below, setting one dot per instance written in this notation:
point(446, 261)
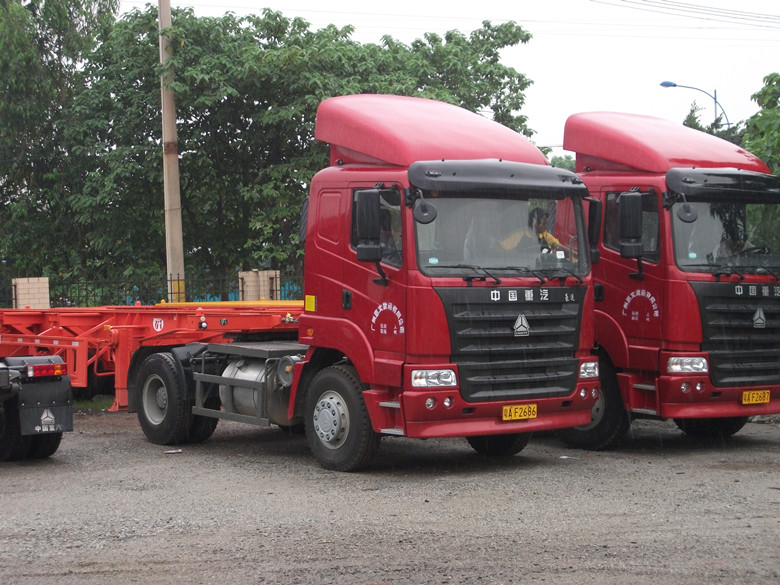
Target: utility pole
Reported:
point(174, 246)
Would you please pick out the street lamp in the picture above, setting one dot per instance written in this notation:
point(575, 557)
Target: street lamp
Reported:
point(714, 98)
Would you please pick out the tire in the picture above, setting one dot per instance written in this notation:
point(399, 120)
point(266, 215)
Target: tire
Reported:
point(163, 408)
point(711, 427)
point(610, 420)
point(338, 429)
point(499, 445)
point(202, 427)
point(13, 445)
point(44, 446)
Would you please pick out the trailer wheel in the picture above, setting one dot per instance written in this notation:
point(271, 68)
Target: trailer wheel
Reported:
point(13, 445)
point(610, 420)
point(44, 446)
point(338, 428)
point(499, 445)
point(711, 427)
point(163, 406)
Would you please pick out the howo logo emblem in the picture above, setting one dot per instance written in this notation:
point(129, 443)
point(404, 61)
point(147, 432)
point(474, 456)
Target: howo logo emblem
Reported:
point(522, 328)
point(759, 319)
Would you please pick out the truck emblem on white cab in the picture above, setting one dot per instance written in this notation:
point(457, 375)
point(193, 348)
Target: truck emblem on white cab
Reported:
point(759, 319)
point(522, 328)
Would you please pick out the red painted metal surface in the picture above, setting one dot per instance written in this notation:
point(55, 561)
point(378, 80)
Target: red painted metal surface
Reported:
point(400, 130)
point(101, 340)
point(604, 140)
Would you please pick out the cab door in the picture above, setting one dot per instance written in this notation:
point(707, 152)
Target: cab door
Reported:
point(633, 288)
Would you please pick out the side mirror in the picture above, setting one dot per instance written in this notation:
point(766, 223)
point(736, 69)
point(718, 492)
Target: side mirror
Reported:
point(594, 227)
point(367, 226)
point(630, 217)
point(367, 215)
point(423, 212)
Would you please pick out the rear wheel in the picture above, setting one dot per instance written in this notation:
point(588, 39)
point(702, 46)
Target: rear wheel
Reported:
point(13, 445)
point(163, 405)
point(711, 427)
point(610, 420)
point(44, 446)
point(338, 429)
point(202, 427)
point(499, 445)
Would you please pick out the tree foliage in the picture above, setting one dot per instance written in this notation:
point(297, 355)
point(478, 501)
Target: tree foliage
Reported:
point(762, 137)
point(565, 161)
point(43, 44)
point(246, 90)
point(734, 133)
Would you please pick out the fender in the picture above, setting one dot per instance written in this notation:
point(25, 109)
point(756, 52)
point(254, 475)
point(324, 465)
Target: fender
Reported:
point(611, 338)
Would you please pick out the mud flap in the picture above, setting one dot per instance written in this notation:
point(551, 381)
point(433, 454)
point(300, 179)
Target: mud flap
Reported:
point(46, 407)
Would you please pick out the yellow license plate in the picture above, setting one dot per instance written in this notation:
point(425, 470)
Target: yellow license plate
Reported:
point(519, 412)
point(755, 397)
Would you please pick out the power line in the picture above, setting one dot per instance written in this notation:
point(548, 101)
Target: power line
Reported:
point(698, 12)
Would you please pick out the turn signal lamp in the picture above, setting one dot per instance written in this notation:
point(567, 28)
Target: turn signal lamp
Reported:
point(42, 370)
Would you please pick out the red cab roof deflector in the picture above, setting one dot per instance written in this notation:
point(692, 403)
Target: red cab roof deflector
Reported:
point(400, 130)
point(648, 144)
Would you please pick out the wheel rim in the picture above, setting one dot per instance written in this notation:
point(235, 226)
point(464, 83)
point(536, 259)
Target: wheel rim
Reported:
point(596, 414)
point(155, 399)
point(331, 420)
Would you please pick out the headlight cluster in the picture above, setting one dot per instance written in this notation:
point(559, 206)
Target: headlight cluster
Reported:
point(434, 378)
point(589, 370)
point(687, 365)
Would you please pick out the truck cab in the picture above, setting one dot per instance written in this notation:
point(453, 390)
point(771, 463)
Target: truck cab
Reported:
point(424, 272)
point(436, 302)
point(688, 278)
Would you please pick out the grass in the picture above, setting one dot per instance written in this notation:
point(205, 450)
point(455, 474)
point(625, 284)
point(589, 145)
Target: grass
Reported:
point(98, 404)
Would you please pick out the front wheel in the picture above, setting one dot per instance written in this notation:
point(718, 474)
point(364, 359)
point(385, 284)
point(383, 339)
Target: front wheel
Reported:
point(163, 406)
point(338, 429)
point(610, 420)
point(711, 427)
point(499, 445)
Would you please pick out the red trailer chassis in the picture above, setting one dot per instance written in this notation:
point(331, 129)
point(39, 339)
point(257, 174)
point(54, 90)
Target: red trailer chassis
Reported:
point(101, 341)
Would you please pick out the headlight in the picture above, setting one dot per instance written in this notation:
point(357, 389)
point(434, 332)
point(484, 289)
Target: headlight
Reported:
point(433, 378)
point(687, 365)
point(589, 370)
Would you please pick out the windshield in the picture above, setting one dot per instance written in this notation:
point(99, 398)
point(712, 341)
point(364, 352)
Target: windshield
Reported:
point(739, 238)
point(476, 237)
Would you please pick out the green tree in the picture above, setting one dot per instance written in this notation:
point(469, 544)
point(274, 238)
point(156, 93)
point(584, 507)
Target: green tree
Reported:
point(247, 90)
point(734, 133)
point(42, 47)
point(563, 162)
point(762, 137)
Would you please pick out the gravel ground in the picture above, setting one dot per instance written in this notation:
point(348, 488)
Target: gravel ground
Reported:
point(252, 506)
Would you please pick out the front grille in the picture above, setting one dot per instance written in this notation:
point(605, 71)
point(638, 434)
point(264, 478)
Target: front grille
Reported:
point(740, 331)
point(496, 362)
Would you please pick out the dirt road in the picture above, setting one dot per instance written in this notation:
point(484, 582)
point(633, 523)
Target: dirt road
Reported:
point(252, 506)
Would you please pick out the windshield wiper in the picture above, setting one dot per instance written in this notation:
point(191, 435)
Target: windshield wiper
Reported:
point(727, 271)
point(770, 272)
point(473, 267)
point(523, 270)
point(566, 274)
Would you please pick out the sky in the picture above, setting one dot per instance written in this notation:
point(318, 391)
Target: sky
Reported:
point(585, 55)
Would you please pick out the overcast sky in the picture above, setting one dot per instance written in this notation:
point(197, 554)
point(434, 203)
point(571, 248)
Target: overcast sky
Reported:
point(585, 55)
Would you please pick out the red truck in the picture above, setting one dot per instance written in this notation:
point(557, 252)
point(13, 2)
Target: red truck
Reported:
point(431, 309)
point(36, 406)
point(687, 293)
